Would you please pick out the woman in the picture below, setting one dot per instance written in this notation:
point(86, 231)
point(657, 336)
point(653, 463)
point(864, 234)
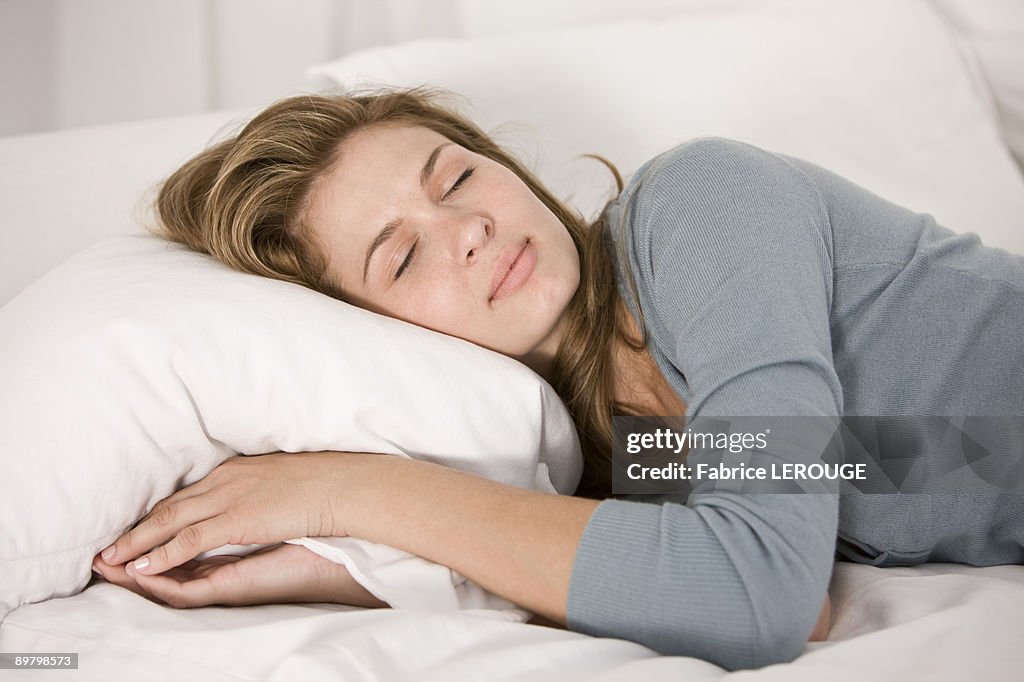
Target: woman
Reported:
point(725, 280)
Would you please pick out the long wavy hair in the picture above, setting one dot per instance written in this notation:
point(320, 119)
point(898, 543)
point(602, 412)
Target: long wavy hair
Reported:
point(242, 200)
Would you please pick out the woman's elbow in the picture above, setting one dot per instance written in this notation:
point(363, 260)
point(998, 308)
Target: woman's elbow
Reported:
point(782, 647)
point(786, 639)
point(740, 647)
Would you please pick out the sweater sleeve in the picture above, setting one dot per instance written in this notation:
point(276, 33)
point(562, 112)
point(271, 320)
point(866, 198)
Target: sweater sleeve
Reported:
point(731, 252)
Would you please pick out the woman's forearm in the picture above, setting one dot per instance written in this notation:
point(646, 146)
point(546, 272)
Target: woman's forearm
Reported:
point(334, 584)
point(518, 544)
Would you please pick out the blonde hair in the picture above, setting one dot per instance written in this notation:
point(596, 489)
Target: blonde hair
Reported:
point(242, 201)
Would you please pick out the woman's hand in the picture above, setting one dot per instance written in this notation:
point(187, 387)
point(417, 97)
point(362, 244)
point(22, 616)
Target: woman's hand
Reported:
point(519, 544)
point(246, 500)
point(280, 574)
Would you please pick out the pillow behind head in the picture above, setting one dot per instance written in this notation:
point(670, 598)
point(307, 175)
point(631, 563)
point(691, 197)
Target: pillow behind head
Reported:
point(137, 366)
point(873, 90)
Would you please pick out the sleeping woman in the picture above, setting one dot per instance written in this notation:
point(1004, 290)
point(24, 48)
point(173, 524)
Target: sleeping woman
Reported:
point(723, 280)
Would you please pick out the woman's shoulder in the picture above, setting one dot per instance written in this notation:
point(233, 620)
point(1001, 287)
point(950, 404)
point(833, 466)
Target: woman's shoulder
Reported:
point(708, 145)
point(715, 189)
point(715, 164)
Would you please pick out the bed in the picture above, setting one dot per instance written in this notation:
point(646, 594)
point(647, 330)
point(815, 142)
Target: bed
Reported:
point(915, 100)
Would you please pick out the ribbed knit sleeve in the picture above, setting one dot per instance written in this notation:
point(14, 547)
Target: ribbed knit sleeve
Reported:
point(730, 247)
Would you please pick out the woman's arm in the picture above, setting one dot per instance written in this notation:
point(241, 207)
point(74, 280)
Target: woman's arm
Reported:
point(281, 574)
point(517, 543)
point(732, 250)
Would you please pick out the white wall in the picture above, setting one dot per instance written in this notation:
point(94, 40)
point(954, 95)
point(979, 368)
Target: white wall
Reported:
point(69, 63)
point(27, 64)
point(123, 59)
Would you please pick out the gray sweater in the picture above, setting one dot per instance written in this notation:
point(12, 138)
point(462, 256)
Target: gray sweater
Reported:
point(770, 286)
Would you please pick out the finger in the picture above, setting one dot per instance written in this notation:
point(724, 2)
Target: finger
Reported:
point(189, 542)
point(159, 513)
point(162, 524)
point(183, 594)
point(195, 490)
point(200, 487)
point(114, 574)
point(117, 575)
point(108, 573)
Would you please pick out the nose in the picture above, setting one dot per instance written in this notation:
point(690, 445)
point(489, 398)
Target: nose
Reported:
point(468, 235)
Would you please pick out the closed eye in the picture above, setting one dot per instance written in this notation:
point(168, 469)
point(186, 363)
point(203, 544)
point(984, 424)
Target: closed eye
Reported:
point(454, 188)
point(458, 183)
point(407, 261)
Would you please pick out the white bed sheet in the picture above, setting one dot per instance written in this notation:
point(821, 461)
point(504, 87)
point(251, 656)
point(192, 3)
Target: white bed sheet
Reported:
point(932, 622)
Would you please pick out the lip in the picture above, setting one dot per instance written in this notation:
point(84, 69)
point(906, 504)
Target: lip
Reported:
point(514, 267)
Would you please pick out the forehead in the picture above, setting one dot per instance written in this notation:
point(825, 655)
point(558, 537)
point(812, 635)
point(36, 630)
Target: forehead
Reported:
point(382, 156)
point(375, 169)
point(386, 141)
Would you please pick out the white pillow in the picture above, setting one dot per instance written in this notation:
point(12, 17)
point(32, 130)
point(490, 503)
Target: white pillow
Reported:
point(991, 33)
point(135, 367)
point(875, 90)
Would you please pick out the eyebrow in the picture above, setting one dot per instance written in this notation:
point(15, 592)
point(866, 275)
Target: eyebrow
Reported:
point(388, 230)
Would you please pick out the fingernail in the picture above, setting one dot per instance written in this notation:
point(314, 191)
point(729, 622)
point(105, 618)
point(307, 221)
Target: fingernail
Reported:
point(108, 554)
point(129, 570)
point(140, 564)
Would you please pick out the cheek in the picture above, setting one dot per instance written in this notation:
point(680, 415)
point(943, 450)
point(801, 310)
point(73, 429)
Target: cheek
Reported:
point(506, 196)
point(442, 306)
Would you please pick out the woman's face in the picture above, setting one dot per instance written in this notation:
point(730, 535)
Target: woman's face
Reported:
point(418, 228)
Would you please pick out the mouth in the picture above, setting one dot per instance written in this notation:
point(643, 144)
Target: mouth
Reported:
point(514, 267)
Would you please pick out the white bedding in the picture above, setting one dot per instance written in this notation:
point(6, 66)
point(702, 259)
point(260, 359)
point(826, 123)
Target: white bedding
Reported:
point(61, 192)
point(167, 363)
point(935, 622)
